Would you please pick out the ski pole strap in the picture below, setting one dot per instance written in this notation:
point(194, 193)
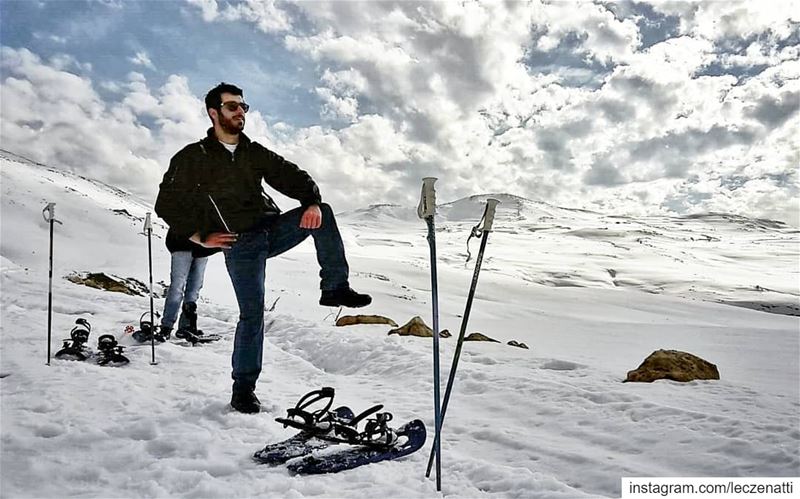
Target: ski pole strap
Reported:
point(485, 225)
point(427, 200)
point(49, 213)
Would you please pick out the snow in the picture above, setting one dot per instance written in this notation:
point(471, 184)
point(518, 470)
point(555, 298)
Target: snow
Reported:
point(591, 294)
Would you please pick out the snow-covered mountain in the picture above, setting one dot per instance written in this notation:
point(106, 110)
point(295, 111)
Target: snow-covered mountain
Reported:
point(591, 294)
point(714, 257)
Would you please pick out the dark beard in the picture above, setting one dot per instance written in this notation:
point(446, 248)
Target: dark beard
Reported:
point(230, 126)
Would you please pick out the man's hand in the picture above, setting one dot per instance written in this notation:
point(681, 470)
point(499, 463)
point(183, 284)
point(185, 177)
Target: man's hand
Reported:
point(222, 240)
point(312, 218)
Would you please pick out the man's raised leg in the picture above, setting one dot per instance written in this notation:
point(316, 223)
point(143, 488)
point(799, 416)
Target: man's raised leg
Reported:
point(286, 233)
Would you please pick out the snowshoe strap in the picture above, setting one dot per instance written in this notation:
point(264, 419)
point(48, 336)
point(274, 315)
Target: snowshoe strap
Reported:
point(298, 417)
point(363, 415)
point(377, 432)
point(107, 342)
point(79, 335)
point(349, 431)
point(83, 322)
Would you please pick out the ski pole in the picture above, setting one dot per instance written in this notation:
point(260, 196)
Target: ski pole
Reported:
point(426, 211)
point(488, 218)
point(49, 215)
point(148, 231)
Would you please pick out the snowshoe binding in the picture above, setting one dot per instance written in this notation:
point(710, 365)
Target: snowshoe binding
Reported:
point(74, 347)
point(110, 351)
point(147, 331)
point(329, 426)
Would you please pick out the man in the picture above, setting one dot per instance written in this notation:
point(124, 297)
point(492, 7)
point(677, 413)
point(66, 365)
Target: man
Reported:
point(212, 195)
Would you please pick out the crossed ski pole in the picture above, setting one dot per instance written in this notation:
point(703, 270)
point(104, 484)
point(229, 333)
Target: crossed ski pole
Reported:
point(148, 231)
point(483, 229)
point(426, 211)
point(49, 215)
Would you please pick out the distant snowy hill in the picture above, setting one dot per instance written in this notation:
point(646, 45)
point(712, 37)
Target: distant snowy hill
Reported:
point(716, 257)
point(591, 294)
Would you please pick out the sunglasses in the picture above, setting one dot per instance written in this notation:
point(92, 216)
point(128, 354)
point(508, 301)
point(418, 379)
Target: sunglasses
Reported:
point(232, 106)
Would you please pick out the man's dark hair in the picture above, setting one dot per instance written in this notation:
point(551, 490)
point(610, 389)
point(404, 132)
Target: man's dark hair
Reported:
point(214, 96)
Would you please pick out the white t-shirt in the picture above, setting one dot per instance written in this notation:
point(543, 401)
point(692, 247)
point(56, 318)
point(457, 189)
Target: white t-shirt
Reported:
point(229, 147)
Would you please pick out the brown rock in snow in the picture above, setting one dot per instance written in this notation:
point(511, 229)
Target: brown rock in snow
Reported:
point(350, 320)
point(417, 327)
point(479, 337)
point(674, 365)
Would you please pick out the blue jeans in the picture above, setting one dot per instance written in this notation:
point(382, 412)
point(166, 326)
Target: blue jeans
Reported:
point(185, 283)
point(246, 262)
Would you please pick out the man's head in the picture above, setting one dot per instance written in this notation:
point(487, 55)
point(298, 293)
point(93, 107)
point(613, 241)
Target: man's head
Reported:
point(226, 108)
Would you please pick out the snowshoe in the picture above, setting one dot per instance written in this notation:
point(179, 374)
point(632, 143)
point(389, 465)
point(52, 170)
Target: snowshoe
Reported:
point(323, 428)
point(74, 347)
point(147, 331)
point(110, 351)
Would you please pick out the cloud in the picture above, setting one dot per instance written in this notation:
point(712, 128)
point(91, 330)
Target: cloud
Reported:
point(58, 118)
point(265, 14)
point(142, 59)
point(734, 19)
point(672, 107)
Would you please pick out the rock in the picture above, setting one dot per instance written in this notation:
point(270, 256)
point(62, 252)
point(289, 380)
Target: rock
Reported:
point(518, 344)
point(479, 337)
point(417, 327)
point(350, 320)
point(445, 333)
point(99, 280)
point(673, 365)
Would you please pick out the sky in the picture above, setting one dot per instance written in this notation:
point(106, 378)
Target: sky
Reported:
point(620, 107)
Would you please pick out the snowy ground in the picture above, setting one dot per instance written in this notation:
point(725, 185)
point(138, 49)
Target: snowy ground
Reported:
point(592, 295)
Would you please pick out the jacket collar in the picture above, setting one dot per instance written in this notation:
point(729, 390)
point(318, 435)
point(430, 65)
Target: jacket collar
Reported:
point(211, 139)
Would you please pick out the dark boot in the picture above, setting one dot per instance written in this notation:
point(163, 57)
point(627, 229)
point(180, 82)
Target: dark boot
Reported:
point(344, 297)
point(187, 327)
point(165, 332)
point(245, 400)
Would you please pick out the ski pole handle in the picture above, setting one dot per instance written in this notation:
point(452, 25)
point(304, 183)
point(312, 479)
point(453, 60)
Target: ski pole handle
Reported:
point(49, 213)
point(148, 224)
point(427, 202)
point(488, 216)
point(485, 225)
